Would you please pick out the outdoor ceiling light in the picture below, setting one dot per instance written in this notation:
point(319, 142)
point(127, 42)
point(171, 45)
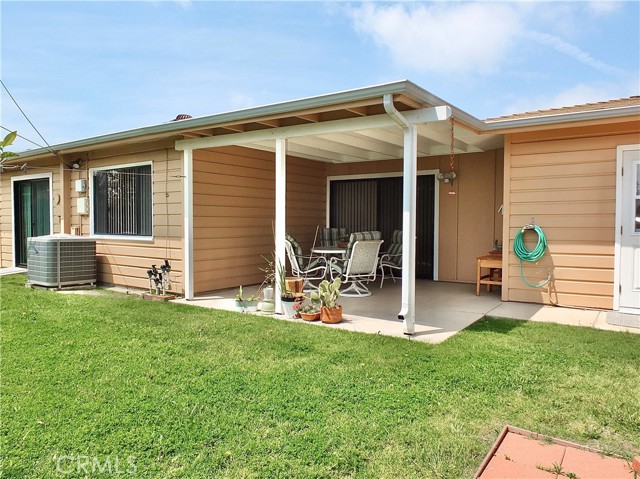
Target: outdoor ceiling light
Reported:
point(447, 177)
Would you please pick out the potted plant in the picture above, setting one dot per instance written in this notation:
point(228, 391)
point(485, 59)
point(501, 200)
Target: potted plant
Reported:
point(268, 305)
point(329, 292)
point(287, 297)
point(311, 310)
point(246, 305)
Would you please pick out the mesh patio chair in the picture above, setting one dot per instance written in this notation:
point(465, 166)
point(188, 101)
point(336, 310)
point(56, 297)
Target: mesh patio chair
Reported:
point(392, 259)
point(360, 263)
point(309, 268)
point(331, 236)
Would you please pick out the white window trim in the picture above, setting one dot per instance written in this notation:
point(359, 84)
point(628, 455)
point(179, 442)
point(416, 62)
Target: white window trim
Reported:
point(92, 172)
point(37, 176)
point(436, 204)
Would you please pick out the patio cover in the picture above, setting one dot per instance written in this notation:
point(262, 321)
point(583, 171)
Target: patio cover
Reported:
point(389, 121)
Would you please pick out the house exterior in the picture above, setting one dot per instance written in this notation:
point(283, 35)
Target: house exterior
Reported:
point(209, 194)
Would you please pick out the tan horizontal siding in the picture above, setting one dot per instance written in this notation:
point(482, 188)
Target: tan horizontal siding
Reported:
point(530, 295)
point(565, 180)
point(469, 221)
point(234, 212)
point(40, 167)
point(125, 262)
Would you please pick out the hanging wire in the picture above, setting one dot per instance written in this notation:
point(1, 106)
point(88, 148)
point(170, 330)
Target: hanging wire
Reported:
point(22, 137)
point(30, 122)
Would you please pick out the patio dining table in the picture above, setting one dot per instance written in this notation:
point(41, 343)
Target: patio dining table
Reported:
point(329, 250)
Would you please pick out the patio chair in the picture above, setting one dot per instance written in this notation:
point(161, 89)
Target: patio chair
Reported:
point(392, 259)
point(331, 236)
point(307, 267)
point(359, 264)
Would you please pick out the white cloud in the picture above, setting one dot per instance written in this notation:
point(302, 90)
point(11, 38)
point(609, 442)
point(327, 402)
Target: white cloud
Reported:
point(604, 7)
point(442, 37)
point(239, 100)
point(574, 52)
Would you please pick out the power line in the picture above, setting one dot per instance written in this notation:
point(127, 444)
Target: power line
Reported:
point(30, 122)
point(20, 136)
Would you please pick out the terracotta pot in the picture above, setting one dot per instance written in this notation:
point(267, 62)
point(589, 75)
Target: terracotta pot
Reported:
point(331, 315)
point(310, 316)
point(294, 284)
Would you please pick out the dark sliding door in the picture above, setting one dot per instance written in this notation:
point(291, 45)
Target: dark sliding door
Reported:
point(32, 214)
point(425, 221)
point(376, 204)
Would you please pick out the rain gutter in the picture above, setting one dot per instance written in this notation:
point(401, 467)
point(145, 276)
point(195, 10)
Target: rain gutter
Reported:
point(177, 127)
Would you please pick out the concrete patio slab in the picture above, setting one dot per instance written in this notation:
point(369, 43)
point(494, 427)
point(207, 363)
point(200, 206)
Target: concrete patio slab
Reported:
point(442, 309)
point(557, 314)
point(12, 270)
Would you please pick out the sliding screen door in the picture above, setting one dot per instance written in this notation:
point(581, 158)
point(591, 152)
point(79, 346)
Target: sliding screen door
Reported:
point(375, 204)
point(32, 214)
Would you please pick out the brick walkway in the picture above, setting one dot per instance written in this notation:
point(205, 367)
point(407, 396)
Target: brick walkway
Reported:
point(526, 455)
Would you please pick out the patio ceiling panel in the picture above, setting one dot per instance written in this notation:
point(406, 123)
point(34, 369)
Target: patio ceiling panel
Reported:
point(309, 152)
point(374, 144)
point(330, 145)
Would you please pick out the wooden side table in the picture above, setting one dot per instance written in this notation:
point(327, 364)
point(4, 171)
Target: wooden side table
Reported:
point(494, 263)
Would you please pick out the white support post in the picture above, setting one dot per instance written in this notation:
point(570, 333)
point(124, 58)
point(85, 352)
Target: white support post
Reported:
point(409, 195)
point(187, 174)
point(281, 210)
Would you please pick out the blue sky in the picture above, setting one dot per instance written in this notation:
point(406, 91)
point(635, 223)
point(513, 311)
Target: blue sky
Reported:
point(80, 69)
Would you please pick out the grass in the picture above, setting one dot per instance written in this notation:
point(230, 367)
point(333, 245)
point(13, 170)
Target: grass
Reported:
point(166, 390)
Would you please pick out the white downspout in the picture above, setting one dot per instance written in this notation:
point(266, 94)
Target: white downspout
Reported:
point(187, 173)
point(281, 210)
point(409, 176)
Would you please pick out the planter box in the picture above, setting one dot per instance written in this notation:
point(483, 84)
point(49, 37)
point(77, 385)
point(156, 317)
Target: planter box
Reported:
point(246, 306)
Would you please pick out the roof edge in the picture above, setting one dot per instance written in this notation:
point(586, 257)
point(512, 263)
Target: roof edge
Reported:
point(541, 120)
point(401, 86)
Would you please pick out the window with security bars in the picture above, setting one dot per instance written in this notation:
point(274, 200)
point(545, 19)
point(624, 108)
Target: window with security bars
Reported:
point(122, 201)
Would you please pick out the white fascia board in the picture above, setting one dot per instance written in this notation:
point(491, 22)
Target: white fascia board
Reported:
point(337, 126)
point(176, 127)
point(541, 120)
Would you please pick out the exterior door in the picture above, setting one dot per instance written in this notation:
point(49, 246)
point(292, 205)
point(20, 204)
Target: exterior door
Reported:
point(32, 214)
point(629, 258)
point(376, 204)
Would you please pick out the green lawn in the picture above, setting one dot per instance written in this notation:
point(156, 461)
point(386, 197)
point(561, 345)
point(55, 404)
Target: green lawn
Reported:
point(167, 390)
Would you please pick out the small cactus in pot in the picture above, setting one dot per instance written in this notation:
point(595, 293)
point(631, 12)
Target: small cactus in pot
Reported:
point(329, 292)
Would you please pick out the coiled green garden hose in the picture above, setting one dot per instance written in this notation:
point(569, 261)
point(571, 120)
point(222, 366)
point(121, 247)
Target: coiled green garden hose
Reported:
point(532, 256)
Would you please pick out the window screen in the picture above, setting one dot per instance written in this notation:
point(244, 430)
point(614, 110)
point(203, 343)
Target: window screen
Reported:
point(122, 201)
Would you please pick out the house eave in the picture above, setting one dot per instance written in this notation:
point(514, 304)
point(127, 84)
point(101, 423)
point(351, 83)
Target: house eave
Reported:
point(504, 125)
point(176, 128)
